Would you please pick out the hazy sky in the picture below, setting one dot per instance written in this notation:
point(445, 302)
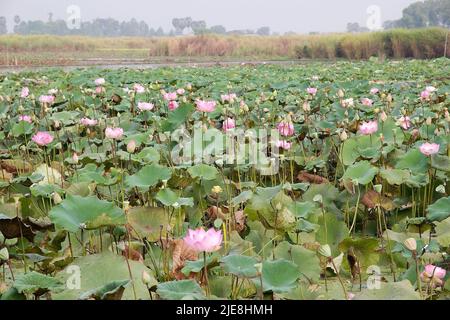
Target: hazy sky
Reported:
point(281, 15)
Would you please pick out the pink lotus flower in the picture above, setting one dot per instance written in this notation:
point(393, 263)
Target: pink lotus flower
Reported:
point(145, 106)
point(203, 241)
point(405, 122)
point(181, 91)
point(205, 106)
point(433, 275)
point(25, 118)
point(114, 133)
point(47, 99)
point(367, 102)
point(138, 88)
point(42, 138)
point(100, 81)
point(88, 122)
point(228, 97)
point(425, 95)
point(228, 124)
point(99, 90)
point(430, 89)
point(367, 128)
point(312, 91)
point(286, 129)
point(284, 144)
point(170, 96)
point(374, 90)
point(25, 92)
point(429, 149)
point(435, 271)
point(173, 105)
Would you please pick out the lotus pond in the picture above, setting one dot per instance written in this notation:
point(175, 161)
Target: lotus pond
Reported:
point(317, 181)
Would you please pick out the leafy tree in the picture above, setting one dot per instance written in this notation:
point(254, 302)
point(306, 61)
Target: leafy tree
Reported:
point(198, 27)
point(263, 31)
point(355, 27)
point(219, 29)
point(423, 14)
point(3, 27)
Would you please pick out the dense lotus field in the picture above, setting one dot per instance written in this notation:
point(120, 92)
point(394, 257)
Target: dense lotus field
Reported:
point(318, 181)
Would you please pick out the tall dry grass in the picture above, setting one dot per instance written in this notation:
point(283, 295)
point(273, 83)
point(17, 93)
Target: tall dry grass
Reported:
point(400, 43)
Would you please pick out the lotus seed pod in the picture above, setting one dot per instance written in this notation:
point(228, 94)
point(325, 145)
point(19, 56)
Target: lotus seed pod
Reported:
point(325, 251)
point(216, 189)
point(410, 244)
point(440, 189)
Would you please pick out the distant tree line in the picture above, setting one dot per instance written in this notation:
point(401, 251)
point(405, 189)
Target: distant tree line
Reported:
point(430, 13)
point(113, 28)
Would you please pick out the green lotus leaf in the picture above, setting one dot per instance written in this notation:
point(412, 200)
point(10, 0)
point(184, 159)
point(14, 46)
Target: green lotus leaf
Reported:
point(239, 265)
point(89, 213)
point(34, 282)
point(98, 271)
point(148, 176)
point(440, 210)
point(279, 275)
point(180, 290)
point(361, 172)
point(203, 171)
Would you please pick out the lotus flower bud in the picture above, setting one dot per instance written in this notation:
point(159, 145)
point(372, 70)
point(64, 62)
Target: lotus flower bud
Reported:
point(429, 121)
point(146, 279)
point(343, 136)
point(341, 93)
point(306, 107)
point(126, 206)
point(4, 254)
point(75, 158)
point(258, 268)
point(410, 244)
point(389, 98)
point(378, 188)
point(131, 146)
point(56, 198)
point(383, 116)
